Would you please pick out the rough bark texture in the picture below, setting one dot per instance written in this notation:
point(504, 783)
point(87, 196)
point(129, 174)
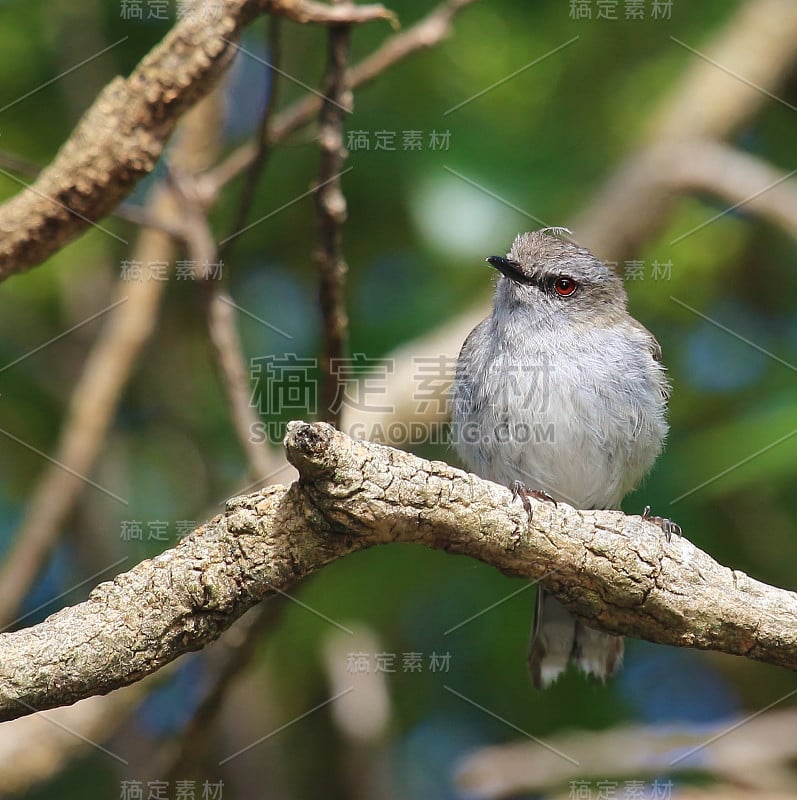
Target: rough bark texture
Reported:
point(330, 211)
point(118, 140)
point(618, 572)
point(123, 133)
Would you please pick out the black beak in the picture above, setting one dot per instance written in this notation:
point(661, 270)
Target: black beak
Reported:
point(509, 268)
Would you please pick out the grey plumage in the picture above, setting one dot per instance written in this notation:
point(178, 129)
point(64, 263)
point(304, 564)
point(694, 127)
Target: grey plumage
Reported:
point(562, 389)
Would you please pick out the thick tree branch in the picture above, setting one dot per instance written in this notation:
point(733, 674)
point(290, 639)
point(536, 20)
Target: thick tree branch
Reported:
point(121, 136)
point(346, 13)
point(119, 139)
point(617, 572)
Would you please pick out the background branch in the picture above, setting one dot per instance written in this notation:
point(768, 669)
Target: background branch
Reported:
point(122, 135)
point(756, 757)
point(220, 314)
point(330, 209)
point(426, 33)
point(709, 102)
point(107, 370)
point(684, 166)
point(119, 139)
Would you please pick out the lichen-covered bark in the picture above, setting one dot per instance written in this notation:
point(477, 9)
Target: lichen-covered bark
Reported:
point(618, 572)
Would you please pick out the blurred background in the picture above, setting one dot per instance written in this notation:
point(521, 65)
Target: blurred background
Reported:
point(663, 135)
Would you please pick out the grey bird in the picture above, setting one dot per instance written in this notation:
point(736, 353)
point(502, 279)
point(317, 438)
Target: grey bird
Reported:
point(562, 395)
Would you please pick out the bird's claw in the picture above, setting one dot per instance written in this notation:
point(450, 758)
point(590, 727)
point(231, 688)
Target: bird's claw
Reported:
point(519, 489)
point(667, 525)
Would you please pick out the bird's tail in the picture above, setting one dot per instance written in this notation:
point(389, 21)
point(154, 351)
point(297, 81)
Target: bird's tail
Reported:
point(559, 638)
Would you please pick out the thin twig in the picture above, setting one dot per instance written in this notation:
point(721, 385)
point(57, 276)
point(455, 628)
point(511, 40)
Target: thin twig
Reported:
point(426, 33)
point(220, 311)
point(263, 147)
point(330, 206)
point(220, 314)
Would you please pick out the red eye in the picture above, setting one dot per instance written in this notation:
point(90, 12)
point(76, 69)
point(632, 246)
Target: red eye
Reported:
point(565, 286)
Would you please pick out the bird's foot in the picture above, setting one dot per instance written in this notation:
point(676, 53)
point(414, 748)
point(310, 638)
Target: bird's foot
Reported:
point(519, 489)
point(667, 525)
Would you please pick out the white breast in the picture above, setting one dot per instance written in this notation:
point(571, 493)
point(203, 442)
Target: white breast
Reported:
point(582, 418)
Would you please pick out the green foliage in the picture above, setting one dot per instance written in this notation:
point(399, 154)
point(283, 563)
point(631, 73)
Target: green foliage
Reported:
point(415, 240)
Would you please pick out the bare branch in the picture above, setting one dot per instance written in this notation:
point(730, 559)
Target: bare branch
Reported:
point(670, 169)
point(220, 312)
point(121, 136)
point(262, 145)
point(756, 757)
point(731, 77)
point(426, 33)
point(107, 370)
point(748, 184)
point(235, 380)
point(342, 14)
point(618, 573)
point(330, 208)
point(119, 139)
